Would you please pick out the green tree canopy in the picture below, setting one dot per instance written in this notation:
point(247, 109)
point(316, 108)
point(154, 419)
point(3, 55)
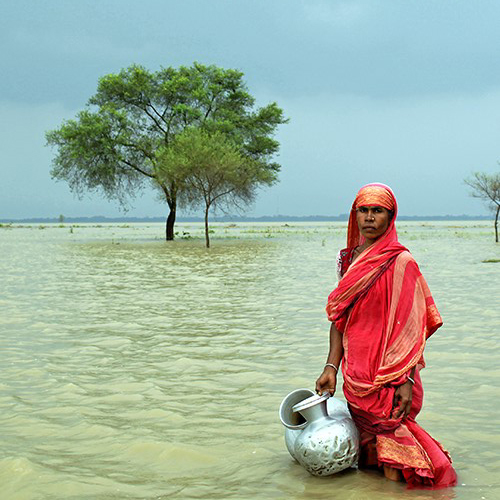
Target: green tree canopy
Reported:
point(113, 145)
point(211, 171)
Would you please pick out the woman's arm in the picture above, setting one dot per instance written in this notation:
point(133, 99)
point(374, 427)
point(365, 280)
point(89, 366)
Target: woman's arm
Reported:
point(327, 381)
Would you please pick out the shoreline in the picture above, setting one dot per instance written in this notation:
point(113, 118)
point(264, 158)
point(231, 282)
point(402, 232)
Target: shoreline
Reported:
point(234, 219)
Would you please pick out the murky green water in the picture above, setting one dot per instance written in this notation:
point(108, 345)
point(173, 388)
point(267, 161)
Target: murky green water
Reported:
point(133, 368)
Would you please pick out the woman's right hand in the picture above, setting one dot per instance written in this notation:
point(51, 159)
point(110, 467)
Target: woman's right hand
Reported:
point(327, 381)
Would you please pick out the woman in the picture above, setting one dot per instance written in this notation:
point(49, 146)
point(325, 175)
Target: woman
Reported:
point(382, 313)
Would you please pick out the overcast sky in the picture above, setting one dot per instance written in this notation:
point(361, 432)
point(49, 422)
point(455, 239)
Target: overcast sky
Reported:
point(405, 92)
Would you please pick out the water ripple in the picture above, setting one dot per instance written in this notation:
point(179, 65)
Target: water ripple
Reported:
point(133, 368)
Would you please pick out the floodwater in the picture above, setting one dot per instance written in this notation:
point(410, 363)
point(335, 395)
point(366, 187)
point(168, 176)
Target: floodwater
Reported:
point(132, 368)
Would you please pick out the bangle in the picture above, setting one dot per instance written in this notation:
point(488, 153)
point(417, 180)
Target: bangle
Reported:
point(411, 380)
point(333, 366)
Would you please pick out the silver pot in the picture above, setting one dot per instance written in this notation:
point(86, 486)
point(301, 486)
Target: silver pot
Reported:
point(319, 432)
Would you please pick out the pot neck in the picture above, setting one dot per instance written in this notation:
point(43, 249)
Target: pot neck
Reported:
point(315, 412)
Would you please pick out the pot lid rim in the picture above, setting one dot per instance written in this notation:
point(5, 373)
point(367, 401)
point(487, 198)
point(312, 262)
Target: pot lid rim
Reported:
point(310, 401)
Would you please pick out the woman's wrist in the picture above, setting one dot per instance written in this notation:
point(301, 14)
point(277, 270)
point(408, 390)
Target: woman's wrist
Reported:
point(411, 376)
point(333, 366)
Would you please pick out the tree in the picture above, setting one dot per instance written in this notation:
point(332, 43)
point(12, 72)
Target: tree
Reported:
point(112, 146)
point(211, 171)
point(487, 187)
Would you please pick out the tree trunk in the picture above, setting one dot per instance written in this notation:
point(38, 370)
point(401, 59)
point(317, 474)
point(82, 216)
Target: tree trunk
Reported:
point(207, 238)
point(496, 223)
point(169, 226)
point(171, 198)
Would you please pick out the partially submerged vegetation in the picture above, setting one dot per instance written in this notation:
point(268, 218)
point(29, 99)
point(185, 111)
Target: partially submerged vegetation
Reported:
point(155, 127)
point(326, 233)
point(487, 188)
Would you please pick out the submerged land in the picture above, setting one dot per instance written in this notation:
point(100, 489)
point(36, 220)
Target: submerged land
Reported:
point(234, 218)
point(132, 368)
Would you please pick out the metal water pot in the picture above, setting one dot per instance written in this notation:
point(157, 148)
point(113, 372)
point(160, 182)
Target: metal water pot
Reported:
point(319, 432)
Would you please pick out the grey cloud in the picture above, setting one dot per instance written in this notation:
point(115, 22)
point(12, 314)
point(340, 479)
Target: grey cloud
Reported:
point(58, 49)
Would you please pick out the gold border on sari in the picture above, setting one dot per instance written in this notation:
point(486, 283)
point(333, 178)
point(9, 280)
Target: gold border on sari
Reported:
point(407, 455)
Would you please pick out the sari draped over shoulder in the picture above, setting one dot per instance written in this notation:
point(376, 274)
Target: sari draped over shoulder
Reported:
point(385, 311)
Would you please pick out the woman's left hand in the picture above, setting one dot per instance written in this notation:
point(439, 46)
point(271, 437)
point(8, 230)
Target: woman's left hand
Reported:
point(401, 404)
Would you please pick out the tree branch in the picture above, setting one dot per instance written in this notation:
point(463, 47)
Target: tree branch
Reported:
point(167, 194)
point(484, 187)
point(136, 168)
point(154, 119)
point(138, 148)
point(156, 112)
point(210, 106)
point(223, 194)
point(144, 108)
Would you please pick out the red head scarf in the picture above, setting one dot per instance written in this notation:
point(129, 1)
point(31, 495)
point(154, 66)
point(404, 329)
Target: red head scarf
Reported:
point(371, 195)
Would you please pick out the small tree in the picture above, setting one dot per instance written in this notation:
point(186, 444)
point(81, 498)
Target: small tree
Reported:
point(212, 171)
point(487, 188)
point(112, 146)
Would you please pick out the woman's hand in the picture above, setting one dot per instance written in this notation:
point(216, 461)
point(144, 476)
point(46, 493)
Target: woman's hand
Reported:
point(327, 381)
point(401, 404)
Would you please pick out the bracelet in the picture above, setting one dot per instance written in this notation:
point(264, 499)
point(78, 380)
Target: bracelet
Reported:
point(411, 380)
point(333, 366)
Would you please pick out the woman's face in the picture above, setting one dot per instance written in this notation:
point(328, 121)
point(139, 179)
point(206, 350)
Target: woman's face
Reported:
point(372, 222)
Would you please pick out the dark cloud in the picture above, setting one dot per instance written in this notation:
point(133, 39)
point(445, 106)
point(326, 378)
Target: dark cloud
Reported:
point(57, 50)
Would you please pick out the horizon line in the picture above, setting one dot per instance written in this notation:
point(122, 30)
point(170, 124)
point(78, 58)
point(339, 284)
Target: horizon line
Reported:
point(230, 218)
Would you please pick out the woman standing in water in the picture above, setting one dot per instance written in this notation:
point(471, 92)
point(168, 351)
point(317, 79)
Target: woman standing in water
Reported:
point(382, 313)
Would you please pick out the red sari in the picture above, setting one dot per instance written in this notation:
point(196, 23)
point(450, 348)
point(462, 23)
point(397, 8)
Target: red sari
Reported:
point(385, 311)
